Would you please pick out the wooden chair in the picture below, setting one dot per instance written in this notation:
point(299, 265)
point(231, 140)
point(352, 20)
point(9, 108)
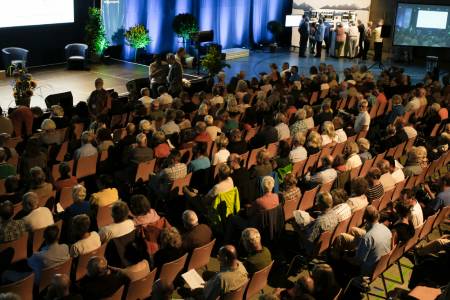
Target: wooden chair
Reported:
point(237, 294)
point(104, 216)
point(289, 207)
point(338, 149)
point(391, 151)
point(142, 288)
point(117, 295)
point(381, 109)
point(38, 237)
point(322, 244)
point(252, 157)
point(357, 218)
point(410, 143)
point(200, 256)
point(366, 167)
point(399, 150)
point(310, 162)
point(355, 172)
point(386, 199)
point(398, 189)
point(179, 183)
point(340, 228)
point(308, 198)
point(62, 151)
point(314, 98)
point(250, 133)
point(427, 226)
point(170, 270)
point(86, 166)
point(144, 170)
point(374, 110)
point(2, 187)
point(78, 130)
point(379, 157)
point(258, 281)
point(79, 266)
point(378, 271)
point(15, 250)
point(442, 216)
point(65, 197)
point(410, 182)
point(22, 288)
point(272, 149)
point(48, 273)
point(361, 134)
point(413, 241)
point(297, 168)
point(424, 293)
point(326, 187)
point(324, 93)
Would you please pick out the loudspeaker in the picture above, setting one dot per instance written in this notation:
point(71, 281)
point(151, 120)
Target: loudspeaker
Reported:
point(386, 31)
point(203, 36)
point(65, 100)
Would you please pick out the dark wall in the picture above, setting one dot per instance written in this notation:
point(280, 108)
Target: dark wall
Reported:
point(46, 42)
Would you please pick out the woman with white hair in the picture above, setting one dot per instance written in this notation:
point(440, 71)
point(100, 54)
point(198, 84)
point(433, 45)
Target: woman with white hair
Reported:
point(257, 256)
point(300, 124)
point(269, 199)
point(79, 206)
point(49, 134)
point(329, 135)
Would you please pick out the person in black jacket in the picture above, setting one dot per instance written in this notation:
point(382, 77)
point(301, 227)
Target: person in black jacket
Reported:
point(267, 135)
point(303, 29)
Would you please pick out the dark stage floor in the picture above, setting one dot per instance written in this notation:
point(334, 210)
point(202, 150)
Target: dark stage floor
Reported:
point(56, 79)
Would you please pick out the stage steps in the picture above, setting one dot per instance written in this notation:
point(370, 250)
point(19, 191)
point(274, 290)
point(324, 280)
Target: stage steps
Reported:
point(234, 53)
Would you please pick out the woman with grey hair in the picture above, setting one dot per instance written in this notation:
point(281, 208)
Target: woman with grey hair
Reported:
point(38, 217)
point(39, 184)
point(257, 256)
point(170, 247)
point(79, 206)
point(269, 199)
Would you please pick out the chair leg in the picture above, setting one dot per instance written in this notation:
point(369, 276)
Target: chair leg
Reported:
point(401, 272)
point(384, 285)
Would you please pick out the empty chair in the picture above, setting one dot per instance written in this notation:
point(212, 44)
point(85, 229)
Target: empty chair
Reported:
point(12, 56)
point(23, 288)
point(179, 183)
point(170, 270)
point(200, 256)
point(86, 166)
point(258, 281)
point(307, 200)
point(142, 288)
point(76, 55)
point(144, 169)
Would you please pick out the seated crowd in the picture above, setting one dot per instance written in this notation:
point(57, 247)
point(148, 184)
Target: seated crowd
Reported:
point(120, 193)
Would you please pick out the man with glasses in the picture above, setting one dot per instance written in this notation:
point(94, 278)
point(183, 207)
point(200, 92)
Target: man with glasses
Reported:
point(362, 120)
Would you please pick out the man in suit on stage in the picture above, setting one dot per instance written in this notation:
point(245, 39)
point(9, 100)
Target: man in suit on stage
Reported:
point(303, 29)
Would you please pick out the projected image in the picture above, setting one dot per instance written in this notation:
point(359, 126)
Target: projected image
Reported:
point(35, 12)
point(422, 25)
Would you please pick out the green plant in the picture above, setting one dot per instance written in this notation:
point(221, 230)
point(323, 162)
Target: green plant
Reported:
point(213, 62)
point(23, 86)
point(95, 32)
point(184, 25)
point(276, 28)
point(137, 37)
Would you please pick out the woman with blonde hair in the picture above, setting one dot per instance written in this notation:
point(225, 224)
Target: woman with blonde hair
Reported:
point(314, 143)
point(309, 116)
point(364, 147)
point(170, 247)
point(222, 154)
point(351, 151)
point(329, 135)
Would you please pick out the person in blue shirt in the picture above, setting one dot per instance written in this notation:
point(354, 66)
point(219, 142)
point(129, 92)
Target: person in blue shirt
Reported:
point(294, 74)
point(303, 29)
point(200, 161)
point(319, 36)
point(443, 198)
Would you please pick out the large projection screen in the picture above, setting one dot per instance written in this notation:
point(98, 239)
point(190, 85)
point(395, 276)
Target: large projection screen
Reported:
point(15, 13)
point(422, 25)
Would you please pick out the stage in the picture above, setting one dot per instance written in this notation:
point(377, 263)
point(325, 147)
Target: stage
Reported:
point(56, 79)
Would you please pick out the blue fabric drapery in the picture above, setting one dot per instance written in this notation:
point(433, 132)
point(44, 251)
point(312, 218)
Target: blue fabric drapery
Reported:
point(236, 23)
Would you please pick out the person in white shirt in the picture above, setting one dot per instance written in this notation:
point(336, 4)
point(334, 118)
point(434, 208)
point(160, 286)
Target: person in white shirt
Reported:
point(362, 120)
point(395, 168)
point(281, 127)
point(165, 99)
point(309, 116)
point(416, 215)
point(351, 151)
point(325, 173)
point(145, 99)
point(329, 135)
point(340, 206)
point(222, 154)
point(338, 123)
point(86, 241)
point(38, 217)
point(121, 226)
point(298, 152)
point(211, 129)
point(352, 35)
point(386, 178)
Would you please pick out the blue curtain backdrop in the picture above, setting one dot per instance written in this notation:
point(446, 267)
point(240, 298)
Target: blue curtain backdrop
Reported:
point(236, 23)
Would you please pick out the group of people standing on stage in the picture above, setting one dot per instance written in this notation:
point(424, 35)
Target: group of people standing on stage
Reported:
point(352, 41)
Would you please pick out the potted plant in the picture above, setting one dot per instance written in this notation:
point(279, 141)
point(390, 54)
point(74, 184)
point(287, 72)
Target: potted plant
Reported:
point(212, 62)
point(95, 34)
point(23, 87)
point(184, 25)
point(275, 28)
point(138, 38)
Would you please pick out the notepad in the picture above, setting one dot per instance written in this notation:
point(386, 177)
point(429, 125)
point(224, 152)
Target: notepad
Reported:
point(193, 279)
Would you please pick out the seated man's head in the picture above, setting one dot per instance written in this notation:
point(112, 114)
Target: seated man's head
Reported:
point(59, 286)
point(51, 234)
point(6, 210)
point(119, 211)
point(371, 214)
point(80, 226)
point(359, 186)
point(37, 177)
point(251, 239)
point(227, 256)
point(30, 201)
point(97, 266)
point(224, 172)
point(324, 201)
point(190, 219)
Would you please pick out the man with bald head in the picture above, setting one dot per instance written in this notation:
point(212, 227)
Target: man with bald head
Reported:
point(196, 235)
point(60, 288)
point(100, 282)
point(232, 275)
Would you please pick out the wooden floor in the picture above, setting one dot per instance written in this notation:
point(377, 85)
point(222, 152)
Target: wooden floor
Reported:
point(57, 79)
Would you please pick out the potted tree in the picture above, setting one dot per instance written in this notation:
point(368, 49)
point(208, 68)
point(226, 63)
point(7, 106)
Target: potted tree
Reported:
point(95, 34)
point(275, 28)
point(138, 38)
point(184, 25)
point(212, 62)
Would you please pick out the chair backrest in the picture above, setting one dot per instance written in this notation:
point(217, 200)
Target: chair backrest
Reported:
point(252, 157)
point(200, 256)
point(326, 187)
point(297, 168)
point(170, 270)
point(65, 197)
point(272, 149)
point(310, 162)
point(381, 109)
point(104, 216)
point(374, 109)
point(340, 228)
point(86, 166)
point(78, 130)
point(23, 288)
point(76, 49)
point(144, 169)
point(179, 183)
point(398, 189)
point(82, 261)
point(47, 274)
point(38, 237)
point(289, 207)
point(410, 181)
point(443, 213)
point(2, 187)
point(427, 226)
point(386, 199)
point(15, 250)
point(354, 172)
point(366, 167)
point(236, 294)
point(250, 133)
point(307, 200)
point(142, 288)
point(376, 203)
point(62, 151)
point(357, 218)
point(379, 157)
point(258, 281)
point(117, 295)
point(381, 266)
point(413, 241)
point(399, 150)
point(397, 253)
point(323, 243)
point(338, 149)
